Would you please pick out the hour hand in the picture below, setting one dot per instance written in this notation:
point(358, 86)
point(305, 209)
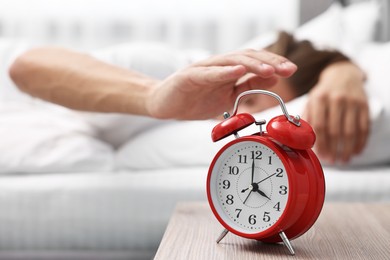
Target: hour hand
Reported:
point(263, 194)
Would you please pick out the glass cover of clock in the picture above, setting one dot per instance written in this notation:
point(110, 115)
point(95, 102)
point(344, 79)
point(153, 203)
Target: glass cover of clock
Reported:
point(249, 187)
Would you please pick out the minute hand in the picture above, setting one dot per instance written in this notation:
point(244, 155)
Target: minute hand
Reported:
point(253, 170)
point(267, 178)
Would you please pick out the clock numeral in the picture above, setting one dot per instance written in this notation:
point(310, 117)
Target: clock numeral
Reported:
point(229, 199)
point(233, 170)
point(277, 206)
point(279, 172)
point(266, 217)
point(256, 155)
point(252, 219)
point(242, 159)
point(270, 160)
point(226, 184)
point(239, 212)
point(283, 190)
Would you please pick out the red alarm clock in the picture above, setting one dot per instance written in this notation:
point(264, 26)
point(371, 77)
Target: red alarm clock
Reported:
point(269, 185)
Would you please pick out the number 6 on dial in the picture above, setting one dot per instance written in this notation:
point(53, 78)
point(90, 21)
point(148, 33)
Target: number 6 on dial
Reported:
point(267, 186)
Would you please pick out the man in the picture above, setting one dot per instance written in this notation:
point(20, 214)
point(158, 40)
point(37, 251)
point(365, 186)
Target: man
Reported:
point(202, 90)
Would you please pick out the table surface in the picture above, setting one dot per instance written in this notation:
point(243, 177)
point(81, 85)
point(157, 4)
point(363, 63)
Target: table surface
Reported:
point(343, 231)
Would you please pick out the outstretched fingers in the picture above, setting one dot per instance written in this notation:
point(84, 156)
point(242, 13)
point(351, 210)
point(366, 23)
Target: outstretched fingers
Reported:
point(262, 63)
point(216, 74)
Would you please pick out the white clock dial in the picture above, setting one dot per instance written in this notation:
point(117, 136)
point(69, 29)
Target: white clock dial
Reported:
point(249, 187)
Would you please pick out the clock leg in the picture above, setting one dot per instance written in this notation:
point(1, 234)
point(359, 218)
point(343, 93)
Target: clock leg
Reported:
point(286, 242)
point(222, 235)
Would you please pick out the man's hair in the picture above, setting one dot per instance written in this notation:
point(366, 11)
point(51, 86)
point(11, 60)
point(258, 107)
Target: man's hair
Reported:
point(309, 60)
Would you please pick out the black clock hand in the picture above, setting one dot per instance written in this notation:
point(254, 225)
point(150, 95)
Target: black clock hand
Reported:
point(253, 169)
point(244, 190)
point(266, 178)
point(263, 194)
point(247, 197)
point(252, 177)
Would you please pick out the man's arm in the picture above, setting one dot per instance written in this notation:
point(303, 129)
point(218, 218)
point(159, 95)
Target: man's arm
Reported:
point(78, 81)
point(338, 111)
point(202, 90)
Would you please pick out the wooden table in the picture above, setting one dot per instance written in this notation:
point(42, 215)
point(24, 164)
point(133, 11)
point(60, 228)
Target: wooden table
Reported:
point(343, 231)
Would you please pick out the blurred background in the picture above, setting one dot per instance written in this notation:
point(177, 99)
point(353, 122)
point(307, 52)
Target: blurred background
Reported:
point(61, 192)
point(218, 25)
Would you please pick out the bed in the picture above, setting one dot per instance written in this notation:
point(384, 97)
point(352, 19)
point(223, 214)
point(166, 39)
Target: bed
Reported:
point(77, 185)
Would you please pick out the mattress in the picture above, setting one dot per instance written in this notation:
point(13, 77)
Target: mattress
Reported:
point(112, 211)
point(124, 211)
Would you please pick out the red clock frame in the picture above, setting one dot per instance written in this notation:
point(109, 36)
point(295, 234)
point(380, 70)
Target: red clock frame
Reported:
point(306, 190)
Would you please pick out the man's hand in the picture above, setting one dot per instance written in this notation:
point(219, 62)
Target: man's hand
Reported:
point(338, 111)
point(208, 88)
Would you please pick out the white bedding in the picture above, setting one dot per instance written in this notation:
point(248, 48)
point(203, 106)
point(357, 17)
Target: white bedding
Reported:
point(127, 210)
point(40, 137)
point(113, 211)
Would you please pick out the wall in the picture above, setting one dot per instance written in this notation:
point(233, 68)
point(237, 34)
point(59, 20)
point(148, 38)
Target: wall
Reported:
point(217, 25)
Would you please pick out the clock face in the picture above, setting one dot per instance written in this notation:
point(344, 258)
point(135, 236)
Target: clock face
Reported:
point(249, 187)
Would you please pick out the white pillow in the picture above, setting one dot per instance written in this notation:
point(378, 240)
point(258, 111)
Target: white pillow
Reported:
point(189, 143)
point(360, 21)
point(374, 59)
point(346, 29)
point(325, 29)
point(184, 143)
point(48, 139)
point(151, 58)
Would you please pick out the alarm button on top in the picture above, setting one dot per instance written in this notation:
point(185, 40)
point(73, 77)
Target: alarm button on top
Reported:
point(300, 137)
point(231, 125)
